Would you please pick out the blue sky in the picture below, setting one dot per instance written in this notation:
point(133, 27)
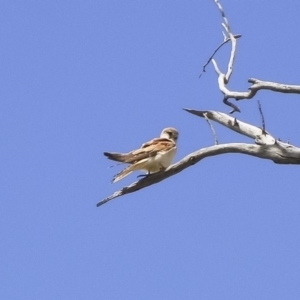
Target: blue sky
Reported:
point(82, 77)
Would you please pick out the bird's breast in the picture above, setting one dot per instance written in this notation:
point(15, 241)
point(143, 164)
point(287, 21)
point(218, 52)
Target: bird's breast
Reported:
point(161, 159)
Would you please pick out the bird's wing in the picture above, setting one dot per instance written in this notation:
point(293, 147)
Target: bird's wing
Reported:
point(149, 149)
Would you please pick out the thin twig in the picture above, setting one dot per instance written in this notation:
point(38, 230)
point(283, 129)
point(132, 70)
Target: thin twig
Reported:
point(212, 56)
point(223, 14)
point(217, 70)
point(234, 107)
point(211, 128)
point(262, 117)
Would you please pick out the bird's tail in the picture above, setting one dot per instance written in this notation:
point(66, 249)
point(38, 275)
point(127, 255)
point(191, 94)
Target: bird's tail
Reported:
point(141, 165)
point(121, 157)
point(123, 173)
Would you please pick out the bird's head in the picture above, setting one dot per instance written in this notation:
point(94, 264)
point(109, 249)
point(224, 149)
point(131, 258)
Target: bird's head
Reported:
point(170, 133)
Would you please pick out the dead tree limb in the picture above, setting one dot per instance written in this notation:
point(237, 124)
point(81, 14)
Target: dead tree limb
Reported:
point(228, 34)
point(279, 153)
point(212, 129)
point(272, 86)
point(231, 123)
point(266, 147)
point(256, 86)
point(223, 78)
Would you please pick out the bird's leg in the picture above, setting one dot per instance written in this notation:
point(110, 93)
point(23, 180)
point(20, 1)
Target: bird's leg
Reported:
point(144, 175)
point(161, 169)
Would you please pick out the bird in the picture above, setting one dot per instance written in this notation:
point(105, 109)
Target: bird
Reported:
point(153, 156)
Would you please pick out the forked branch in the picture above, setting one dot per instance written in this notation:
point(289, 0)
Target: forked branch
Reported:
point(228, 34)
point(223, 78)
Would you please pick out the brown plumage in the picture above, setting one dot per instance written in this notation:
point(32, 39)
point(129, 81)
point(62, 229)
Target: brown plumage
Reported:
point(152, 156)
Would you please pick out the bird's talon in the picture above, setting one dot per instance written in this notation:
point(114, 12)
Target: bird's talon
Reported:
point(142, 175)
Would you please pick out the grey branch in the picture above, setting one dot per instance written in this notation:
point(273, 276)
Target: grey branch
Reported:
point(233, 45)
point(238, 126)
point(232, 56)
point(255, 87)
point(226, 24)
point(223, 78)
point(272, 86)
point(265, 147)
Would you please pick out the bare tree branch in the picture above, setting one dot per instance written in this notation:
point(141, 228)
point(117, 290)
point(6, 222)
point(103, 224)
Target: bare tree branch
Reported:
point(223, 79)
point(231, 123)
point(211, 128)
point(234, 107)
point(273, 86)
point(233, 43)
point(262, 117)
point(279, 153)
point(217, 70)
point(266, 147)
point(223, 14)
point(232, 55)
point(226, 40)
point(255, 87)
